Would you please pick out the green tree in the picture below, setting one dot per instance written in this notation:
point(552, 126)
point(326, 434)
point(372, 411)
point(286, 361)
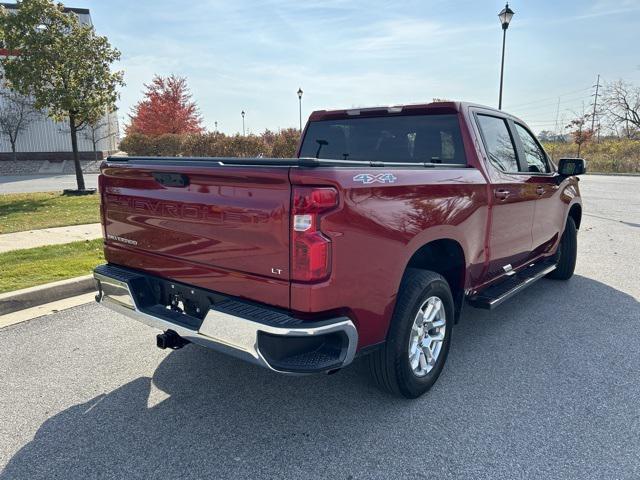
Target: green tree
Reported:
point(61, 63)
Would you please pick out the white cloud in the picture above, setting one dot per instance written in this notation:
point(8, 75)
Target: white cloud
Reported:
point(410, 37)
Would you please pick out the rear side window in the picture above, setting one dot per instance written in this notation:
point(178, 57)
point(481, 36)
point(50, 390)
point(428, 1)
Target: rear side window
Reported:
point(536, 158)
point(415, 138)
point(498, 142)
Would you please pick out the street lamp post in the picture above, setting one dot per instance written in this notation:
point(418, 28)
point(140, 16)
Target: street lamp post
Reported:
point(242, 113)
point(300, 92)
point(505, 16)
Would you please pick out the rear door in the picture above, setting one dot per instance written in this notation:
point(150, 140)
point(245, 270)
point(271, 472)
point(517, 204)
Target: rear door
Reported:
point(512, 212)
point(549, 211)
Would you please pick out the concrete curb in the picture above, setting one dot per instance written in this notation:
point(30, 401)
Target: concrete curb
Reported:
point(50, 292)
point(612, 174)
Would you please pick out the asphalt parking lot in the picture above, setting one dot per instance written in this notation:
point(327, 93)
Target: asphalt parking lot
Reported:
point(546, 386)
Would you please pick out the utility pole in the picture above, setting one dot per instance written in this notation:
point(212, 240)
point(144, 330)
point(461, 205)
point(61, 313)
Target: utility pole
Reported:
point(557, 132)
point(595, 103)
point(242, 113)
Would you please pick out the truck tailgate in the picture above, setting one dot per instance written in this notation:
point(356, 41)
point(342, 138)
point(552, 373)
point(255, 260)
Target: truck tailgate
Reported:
point(219, 227)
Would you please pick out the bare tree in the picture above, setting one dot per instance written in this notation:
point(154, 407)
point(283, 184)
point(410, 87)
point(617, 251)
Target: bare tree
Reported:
point(97, 131)
point(622, 106)
point(16, 114)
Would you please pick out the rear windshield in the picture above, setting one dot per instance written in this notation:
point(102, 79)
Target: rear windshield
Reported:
point(419, 138)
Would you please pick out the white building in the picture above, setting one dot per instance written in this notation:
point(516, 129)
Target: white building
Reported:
point(45, 139)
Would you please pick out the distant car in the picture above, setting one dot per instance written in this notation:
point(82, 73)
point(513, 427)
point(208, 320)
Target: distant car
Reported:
point(370, 242)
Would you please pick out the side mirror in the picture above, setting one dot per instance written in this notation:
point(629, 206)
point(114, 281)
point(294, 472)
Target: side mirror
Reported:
point(571, 166)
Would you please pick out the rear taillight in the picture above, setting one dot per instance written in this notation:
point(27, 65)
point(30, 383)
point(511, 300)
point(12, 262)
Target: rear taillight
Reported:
point(311, 250)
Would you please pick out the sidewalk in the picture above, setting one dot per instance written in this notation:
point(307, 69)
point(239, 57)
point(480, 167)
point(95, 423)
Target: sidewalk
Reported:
point(49, 236)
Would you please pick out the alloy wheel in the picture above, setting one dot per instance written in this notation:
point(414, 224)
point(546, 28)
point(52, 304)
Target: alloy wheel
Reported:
point(427, 336)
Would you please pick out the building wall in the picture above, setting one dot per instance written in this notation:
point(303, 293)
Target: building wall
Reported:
point(45, 135)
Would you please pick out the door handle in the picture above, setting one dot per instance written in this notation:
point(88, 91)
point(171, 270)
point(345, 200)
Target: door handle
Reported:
point(501, 194)
point(540, 190)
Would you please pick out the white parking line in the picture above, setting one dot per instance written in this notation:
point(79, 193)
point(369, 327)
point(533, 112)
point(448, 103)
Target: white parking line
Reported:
point(46, 309)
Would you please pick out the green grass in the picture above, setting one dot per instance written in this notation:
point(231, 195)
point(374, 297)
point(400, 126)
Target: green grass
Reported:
point(35, 266)
point(30, 211)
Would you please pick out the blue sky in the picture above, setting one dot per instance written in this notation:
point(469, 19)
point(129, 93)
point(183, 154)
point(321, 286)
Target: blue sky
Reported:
point(253, 55)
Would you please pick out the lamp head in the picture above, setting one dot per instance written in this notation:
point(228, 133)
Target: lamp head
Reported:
point(505, 16)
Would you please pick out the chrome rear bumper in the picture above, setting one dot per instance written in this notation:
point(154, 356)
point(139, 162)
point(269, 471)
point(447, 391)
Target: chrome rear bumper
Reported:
point(256, 334)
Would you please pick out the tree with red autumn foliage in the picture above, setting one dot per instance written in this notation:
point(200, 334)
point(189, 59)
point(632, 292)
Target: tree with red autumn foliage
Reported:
point(166, 108)
point(579, 133)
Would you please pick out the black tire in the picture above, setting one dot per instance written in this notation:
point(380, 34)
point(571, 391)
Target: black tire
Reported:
point(390, 365)
point(567, 253)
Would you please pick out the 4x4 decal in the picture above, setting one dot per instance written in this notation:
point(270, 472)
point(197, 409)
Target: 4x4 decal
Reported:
point(369, 178)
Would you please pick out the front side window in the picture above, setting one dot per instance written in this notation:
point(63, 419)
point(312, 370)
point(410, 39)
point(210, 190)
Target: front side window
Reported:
point(498, 142)
point(535, 156)
point(406, 138)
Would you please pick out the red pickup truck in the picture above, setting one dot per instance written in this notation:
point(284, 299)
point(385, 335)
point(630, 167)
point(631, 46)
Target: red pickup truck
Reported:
point(371, 241)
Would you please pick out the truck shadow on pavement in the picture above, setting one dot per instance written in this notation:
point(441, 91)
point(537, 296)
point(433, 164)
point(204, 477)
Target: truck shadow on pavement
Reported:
point(206, 415)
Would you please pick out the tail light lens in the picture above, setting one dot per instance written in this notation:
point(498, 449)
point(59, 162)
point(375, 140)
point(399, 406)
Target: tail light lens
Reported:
point(311, 251)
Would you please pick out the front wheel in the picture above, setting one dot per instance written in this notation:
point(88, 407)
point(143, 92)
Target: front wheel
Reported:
point(567, 253)
point(419, 336)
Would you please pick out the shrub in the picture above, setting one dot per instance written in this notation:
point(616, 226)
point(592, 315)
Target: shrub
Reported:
point(168, 145)
point(246, 146)
point(285, 143)
point(137, 144)
point(204, 145)
point(269, 138)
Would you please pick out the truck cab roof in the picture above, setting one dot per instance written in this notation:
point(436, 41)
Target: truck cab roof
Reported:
point(404, 109)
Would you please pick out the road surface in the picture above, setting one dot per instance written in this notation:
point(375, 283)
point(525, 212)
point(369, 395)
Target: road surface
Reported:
point(546, 386)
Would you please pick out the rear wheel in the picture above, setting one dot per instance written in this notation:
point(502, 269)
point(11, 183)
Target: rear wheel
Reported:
point(567, 253)
point(419, 336)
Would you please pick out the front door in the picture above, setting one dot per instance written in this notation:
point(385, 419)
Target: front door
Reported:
point(549, 212)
